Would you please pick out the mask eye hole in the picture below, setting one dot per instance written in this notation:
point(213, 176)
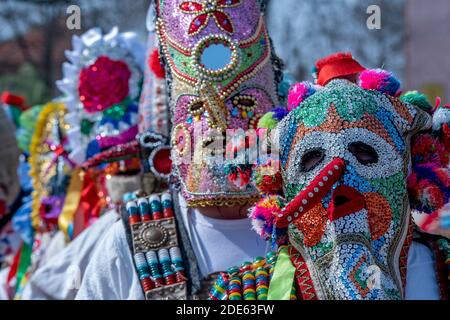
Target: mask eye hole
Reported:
point(364, 153)
point(311, 159)
point(245, 102)
point(196, 107)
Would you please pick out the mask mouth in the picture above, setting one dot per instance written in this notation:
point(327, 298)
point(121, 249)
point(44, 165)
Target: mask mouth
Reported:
point(310, 196)
point(344, 201)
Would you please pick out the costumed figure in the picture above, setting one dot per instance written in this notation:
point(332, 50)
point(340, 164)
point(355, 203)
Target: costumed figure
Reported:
point(221, 75)
point(98, 116)
point(336, 203)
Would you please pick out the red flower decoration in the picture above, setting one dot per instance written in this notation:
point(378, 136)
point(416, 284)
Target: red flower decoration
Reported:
point(103, 84)
point(205, 10)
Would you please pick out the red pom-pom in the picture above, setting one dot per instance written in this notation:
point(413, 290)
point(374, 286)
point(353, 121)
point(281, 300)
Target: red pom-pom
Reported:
point(155, 65)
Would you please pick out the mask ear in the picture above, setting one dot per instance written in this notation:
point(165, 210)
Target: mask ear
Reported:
point(419, 110)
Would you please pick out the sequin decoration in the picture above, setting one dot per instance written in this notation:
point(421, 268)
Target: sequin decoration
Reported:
point(379, 214)
point(215, 92)
point(103, 84)
point(344, 162)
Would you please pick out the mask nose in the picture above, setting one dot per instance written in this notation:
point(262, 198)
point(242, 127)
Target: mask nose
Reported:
point(309, 197)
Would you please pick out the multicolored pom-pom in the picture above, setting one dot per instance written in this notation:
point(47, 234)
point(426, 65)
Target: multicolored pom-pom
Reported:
point(429, 182)
point(267, 178)
point(263, 215)
point(298, 93)
point(379, 80)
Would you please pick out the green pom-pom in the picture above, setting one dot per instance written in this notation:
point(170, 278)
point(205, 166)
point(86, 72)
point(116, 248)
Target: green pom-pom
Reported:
point(418, 99)
point(268, 121)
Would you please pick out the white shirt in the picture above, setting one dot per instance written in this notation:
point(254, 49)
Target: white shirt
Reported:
point(57, 278)
point(218, 245)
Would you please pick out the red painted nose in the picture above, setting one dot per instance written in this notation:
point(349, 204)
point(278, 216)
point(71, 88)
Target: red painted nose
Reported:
point(344, 201)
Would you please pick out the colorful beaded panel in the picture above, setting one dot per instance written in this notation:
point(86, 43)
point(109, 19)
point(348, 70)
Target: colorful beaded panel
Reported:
point(210, 95)
point(250, 281)
point(345, 159)
point(156, 254)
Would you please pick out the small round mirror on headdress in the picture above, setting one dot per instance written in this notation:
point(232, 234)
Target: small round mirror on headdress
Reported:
point(215, 57)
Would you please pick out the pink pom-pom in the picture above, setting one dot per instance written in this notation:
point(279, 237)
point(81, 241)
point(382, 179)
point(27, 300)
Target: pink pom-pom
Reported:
point(298, 93)
point(263, 215)
point(379, 80)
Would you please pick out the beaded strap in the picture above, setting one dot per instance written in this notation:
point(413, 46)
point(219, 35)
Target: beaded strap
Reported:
point(249, 282)
point(157, 257)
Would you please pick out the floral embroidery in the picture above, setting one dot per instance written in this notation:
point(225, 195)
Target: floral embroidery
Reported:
point(211, 8)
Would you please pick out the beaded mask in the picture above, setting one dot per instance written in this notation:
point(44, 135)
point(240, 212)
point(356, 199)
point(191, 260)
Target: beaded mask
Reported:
point(101, 87)
point(219, 60)
point(344, 154)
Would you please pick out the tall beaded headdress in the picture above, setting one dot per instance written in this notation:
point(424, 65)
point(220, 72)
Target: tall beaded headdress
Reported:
point(221, 75)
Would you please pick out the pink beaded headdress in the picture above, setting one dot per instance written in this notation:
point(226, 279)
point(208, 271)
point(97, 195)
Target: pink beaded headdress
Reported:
point(221, 76)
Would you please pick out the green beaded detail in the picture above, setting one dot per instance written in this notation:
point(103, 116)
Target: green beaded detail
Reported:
point(393, 189)
point(86, 127)
point(351, 103)
point(117, 111)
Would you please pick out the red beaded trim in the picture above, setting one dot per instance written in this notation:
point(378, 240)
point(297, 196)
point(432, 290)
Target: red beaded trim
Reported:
point(305, 284)
point(117, 153)
point(403, 259)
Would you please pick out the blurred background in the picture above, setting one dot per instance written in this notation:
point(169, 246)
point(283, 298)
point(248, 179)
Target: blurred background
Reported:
point(413, 39)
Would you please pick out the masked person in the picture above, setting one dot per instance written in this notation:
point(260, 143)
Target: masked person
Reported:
point(340, 214)
point(101, 86)
point(221, 75)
